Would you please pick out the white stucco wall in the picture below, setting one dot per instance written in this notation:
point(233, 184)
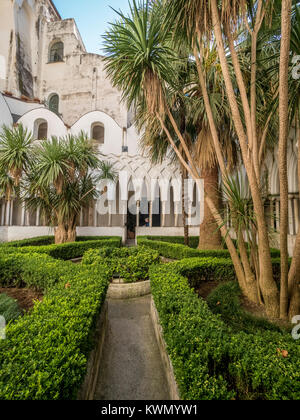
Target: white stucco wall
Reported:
point(56, 127)
point(16, 233)
point(5, 115)
point(112, 134)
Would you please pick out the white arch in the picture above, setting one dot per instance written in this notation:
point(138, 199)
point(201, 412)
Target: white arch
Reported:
point(113, 132)
point(56, 127)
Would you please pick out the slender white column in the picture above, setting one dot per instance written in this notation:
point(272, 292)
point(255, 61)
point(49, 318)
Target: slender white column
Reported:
point(96, 214)
point(150, 214)
point(138, 205)
point(11, 213)
point(177, 206)
point(3, 213)
point(27, 218)
point(7, 218)
point(23, 215)
point(37, 218)
point(163, 218)
point(124, 206)
point(109, 214)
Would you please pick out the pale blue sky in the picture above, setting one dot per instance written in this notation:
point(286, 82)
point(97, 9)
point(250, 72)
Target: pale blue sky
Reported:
point(92, 17)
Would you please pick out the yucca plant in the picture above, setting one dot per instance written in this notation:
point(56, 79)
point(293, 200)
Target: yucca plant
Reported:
point(15, 151)
point(63, 182)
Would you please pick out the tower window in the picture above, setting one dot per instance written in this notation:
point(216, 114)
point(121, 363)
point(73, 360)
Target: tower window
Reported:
point(98, 133)
point(54, 103)
point(56, 52)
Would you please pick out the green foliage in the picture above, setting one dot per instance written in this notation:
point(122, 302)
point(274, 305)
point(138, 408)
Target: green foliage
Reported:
point(49, 240)
point(9, 308)
point(175, 250)
point(44, 356)
point(210, 360)
point(130, 264)
point(38, 271)
point(193, 240)
point(178, 251)
point(225, 301)
point(65, 251)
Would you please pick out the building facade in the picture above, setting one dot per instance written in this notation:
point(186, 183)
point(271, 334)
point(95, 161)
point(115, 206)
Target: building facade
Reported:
point(54, 87)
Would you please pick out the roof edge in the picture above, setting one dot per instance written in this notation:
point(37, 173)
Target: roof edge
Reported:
point(55, 9)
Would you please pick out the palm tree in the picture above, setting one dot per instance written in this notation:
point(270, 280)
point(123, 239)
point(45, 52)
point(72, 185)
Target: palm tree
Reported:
point(58, 177)
point(63, 181)
point(142, 62)
point(228, 22)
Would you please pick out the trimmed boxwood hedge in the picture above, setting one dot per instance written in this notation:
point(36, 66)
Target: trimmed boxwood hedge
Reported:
point(49, 240)
point(131, 264)
point(213, 269)
point(44, 356)
point(65, 251)
point(210, 360)
point(174, 250)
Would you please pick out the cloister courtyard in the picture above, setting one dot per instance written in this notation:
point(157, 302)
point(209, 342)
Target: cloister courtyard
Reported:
point(149, 203)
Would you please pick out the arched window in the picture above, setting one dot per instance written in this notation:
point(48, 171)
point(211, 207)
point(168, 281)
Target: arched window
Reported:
point(41, 129)
point(56, 53)
point(98, 133)
point(54, 103)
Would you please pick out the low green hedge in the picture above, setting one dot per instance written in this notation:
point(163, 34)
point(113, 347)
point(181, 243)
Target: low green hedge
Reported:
point(130, 264)
point(210, 360)
point(193, 240)
point(49, 240)
point(35, 270)
point(44, 355)
point(175, 250)
point(213, 269)
point(65, 251)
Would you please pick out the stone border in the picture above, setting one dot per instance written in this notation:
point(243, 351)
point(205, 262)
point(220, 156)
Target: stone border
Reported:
point(168, 367)
point(128, 290)
point(87, 390)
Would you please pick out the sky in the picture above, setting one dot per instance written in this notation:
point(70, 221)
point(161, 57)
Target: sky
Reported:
point(92, 18)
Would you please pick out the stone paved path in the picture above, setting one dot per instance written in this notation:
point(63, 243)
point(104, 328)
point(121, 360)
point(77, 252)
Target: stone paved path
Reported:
point(131, 366)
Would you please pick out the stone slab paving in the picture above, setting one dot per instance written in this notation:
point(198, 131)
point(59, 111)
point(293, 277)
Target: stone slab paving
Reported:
point(131, 366)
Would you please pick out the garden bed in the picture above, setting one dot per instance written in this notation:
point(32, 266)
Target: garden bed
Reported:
point(25, 297)
point(45, 353)
point(215, 359)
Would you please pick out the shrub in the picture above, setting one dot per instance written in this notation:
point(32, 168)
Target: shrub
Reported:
point(9, 308)
point(225, 300)
point(49, 240)
point(210, 360)
point(174, 249)
point(131, 264)
point(38, 271)
point(65, 251)
point(177, 251)
point(44, 356)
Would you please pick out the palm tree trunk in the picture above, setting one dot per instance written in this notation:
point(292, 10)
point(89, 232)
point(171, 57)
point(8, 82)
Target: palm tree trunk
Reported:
point(267, 282)
point(294, 273)
point(60, 234)
point(210, 235)
point(184, 215)
point(282, 151)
